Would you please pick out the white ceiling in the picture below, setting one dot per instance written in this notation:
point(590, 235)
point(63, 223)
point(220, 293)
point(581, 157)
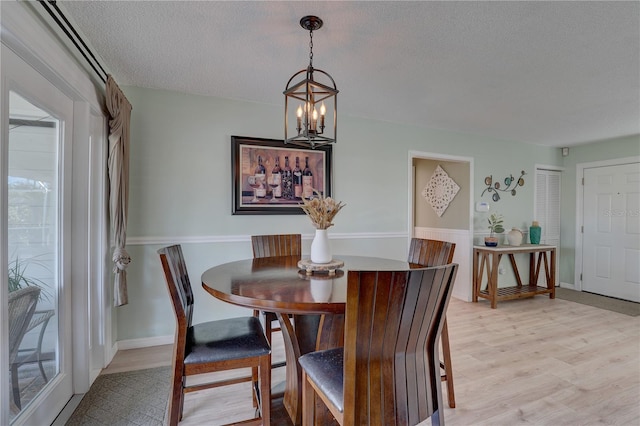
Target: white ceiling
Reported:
point(548, 73)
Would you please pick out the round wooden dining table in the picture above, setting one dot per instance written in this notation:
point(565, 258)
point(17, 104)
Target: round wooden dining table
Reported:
point(310, 308)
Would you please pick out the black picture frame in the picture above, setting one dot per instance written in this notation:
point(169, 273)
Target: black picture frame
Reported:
point(244, 160)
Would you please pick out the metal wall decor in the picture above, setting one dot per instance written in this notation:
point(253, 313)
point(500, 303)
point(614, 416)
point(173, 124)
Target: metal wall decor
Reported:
point(310, 104)
point(510, 185)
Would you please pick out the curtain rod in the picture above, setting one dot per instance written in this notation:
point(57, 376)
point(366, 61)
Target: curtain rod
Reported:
point(75, 38)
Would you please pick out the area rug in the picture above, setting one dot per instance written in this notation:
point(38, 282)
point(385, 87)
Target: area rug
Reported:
point(602, 302)
point(131, 398)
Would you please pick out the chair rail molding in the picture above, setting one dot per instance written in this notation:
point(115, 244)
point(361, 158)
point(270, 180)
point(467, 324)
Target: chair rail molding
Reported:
point(206, 239)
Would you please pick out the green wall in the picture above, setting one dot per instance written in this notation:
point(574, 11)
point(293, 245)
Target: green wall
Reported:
point(181, 192)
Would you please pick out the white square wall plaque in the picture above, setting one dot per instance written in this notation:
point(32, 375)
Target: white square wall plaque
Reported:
point(440, 190)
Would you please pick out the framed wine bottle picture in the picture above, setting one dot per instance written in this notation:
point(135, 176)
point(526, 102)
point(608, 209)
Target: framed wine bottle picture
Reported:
point(269, 177)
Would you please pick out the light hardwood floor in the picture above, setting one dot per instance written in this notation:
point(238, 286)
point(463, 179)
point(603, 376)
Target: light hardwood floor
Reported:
point(530, 362)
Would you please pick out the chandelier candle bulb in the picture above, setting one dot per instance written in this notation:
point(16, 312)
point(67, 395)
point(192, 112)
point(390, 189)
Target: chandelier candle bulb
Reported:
point(314, 119)
point(299, 118)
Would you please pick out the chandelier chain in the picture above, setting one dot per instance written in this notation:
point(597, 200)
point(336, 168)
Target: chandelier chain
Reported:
point(311, 48)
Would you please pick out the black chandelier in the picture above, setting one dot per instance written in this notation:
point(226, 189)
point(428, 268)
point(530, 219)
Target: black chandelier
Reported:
point(311, 103)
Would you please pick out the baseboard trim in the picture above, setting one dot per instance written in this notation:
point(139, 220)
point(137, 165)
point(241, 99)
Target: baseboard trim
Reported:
point(93, 375)
point(144, 342)
point(568, 286)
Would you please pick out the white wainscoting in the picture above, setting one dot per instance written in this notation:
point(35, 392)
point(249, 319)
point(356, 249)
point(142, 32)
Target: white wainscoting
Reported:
point(462, 256)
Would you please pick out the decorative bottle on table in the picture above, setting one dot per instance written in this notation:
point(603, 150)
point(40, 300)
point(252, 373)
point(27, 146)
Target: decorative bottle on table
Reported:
point(260, 174)
point(297, 180)
point(287, 180)
point(307, 180)
point(535, 232)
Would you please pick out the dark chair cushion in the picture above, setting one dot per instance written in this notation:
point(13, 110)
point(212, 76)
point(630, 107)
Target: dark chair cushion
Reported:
point(325, 369)
point(226, 339)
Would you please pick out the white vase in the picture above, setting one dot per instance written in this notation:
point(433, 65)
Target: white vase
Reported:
point(320, 250)
point(515, 237)
point(321, 290)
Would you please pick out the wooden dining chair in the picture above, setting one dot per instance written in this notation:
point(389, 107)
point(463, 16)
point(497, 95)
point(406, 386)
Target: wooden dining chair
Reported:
point(270, 246)
point(212, 346)
point(276, 245)
point(425, 252)
point(388, 372)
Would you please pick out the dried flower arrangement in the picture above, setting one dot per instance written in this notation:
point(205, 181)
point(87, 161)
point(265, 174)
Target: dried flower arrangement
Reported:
point(321, 210)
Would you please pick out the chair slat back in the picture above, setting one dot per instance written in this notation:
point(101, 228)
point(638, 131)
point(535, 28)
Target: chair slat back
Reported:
point(276, 245)
point(393, 322)
point(22, 305)
point(427, 252)
point(178, 284)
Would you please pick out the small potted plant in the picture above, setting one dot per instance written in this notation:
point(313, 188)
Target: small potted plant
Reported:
point(19, 279)
point(495, 226)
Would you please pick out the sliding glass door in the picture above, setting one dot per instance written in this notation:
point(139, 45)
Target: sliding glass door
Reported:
point(36, 243)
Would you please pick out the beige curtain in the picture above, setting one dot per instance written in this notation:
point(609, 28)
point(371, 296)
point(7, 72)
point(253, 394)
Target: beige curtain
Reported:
point(119, 135)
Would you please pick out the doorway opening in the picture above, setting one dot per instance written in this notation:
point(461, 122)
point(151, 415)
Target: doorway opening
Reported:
point(455, 222)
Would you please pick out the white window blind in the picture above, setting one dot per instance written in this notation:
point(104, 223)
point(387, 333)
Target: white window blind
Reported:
point(547, 205)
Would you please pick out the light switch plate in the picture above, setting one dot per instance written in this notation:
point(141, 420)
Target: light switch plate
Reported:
point(482, 206)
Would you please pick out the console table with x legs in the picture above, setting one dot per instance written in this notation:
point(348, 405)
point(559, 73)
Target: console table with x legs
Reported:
point(489, 258)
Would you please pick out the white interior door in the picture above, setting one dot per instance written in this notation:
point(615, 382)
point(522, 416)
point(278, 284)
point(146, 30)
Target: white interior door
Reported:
point(611, 242)
point(36, 239)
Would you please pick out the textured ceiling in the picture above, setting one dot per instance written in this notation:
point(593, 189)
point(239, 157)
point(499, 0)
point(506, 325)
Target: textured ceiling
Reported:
point(548, 73)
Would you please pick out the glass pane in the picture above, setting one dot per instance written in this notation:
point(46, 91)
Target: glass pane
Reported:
point(33, 250)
